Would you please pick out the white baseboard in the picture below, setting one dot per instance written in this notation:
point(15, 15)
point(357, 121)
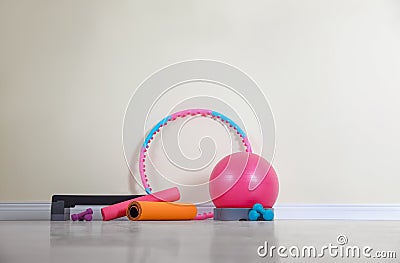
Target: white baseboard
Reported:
point(41, 211)
point(24, 211)
point(338, 212)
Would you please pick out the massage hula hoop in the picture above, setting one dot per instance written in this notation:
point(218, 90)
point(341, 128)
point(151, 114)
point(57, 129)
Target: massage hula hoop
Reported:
point(181, 114)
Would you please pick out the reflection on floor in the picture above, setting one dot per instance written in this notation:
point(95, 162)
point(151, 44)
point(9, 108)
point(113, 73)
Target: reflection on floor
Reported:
point(190, 241)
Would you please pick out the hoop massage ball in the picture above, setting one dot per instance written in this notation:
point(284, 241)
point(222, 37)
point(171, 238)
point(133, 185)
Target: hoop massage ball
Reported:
point(182, 114)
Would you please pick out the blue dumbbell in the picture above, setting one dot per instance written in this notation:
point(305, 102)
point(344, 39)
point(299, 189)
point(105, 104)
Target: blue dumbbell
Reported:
point(253, 215)
point(258, 210)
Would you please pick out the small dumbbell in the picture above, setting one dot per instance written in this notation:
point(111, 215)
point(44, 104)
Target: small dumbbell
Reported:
point(253, 215)
point(258, 210)
point(86, 215)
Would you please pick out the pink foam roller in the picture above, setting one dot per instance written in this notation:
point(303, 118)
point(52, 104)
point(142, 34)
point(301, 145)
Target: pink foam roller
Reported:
point(119, 210)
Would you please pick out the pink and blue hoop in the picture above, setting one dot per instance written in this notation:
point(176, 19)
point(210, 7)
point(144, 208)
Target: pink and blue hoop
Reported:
point(181, 114)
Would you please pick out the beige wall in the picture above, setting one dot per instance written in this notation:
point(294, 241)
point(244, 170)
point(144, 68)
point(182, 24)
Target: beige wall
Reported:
point(330, 70)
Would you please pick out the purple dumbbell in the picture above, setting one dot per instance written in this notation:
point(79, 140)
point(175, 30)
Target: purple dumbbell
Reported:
point(86, 215)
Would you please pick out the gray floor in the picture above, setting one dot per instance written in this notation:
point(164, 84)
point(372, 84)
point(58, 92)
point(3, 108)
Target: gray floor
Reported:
point(190, 241)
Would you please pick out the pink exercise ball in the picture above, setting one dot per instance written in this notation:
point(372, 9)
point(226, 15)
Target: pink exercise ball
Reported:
point(242, 179)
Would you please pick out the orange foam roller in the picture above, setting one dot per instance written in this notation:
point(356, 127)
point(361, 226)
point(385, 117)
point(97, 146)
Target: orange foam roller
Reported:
point(142, 210)
point(119, 210)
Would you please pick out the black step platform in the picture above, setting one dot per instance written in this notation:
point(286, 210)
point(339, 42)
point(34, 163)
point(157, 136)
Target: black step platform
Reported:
point(60, 204)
